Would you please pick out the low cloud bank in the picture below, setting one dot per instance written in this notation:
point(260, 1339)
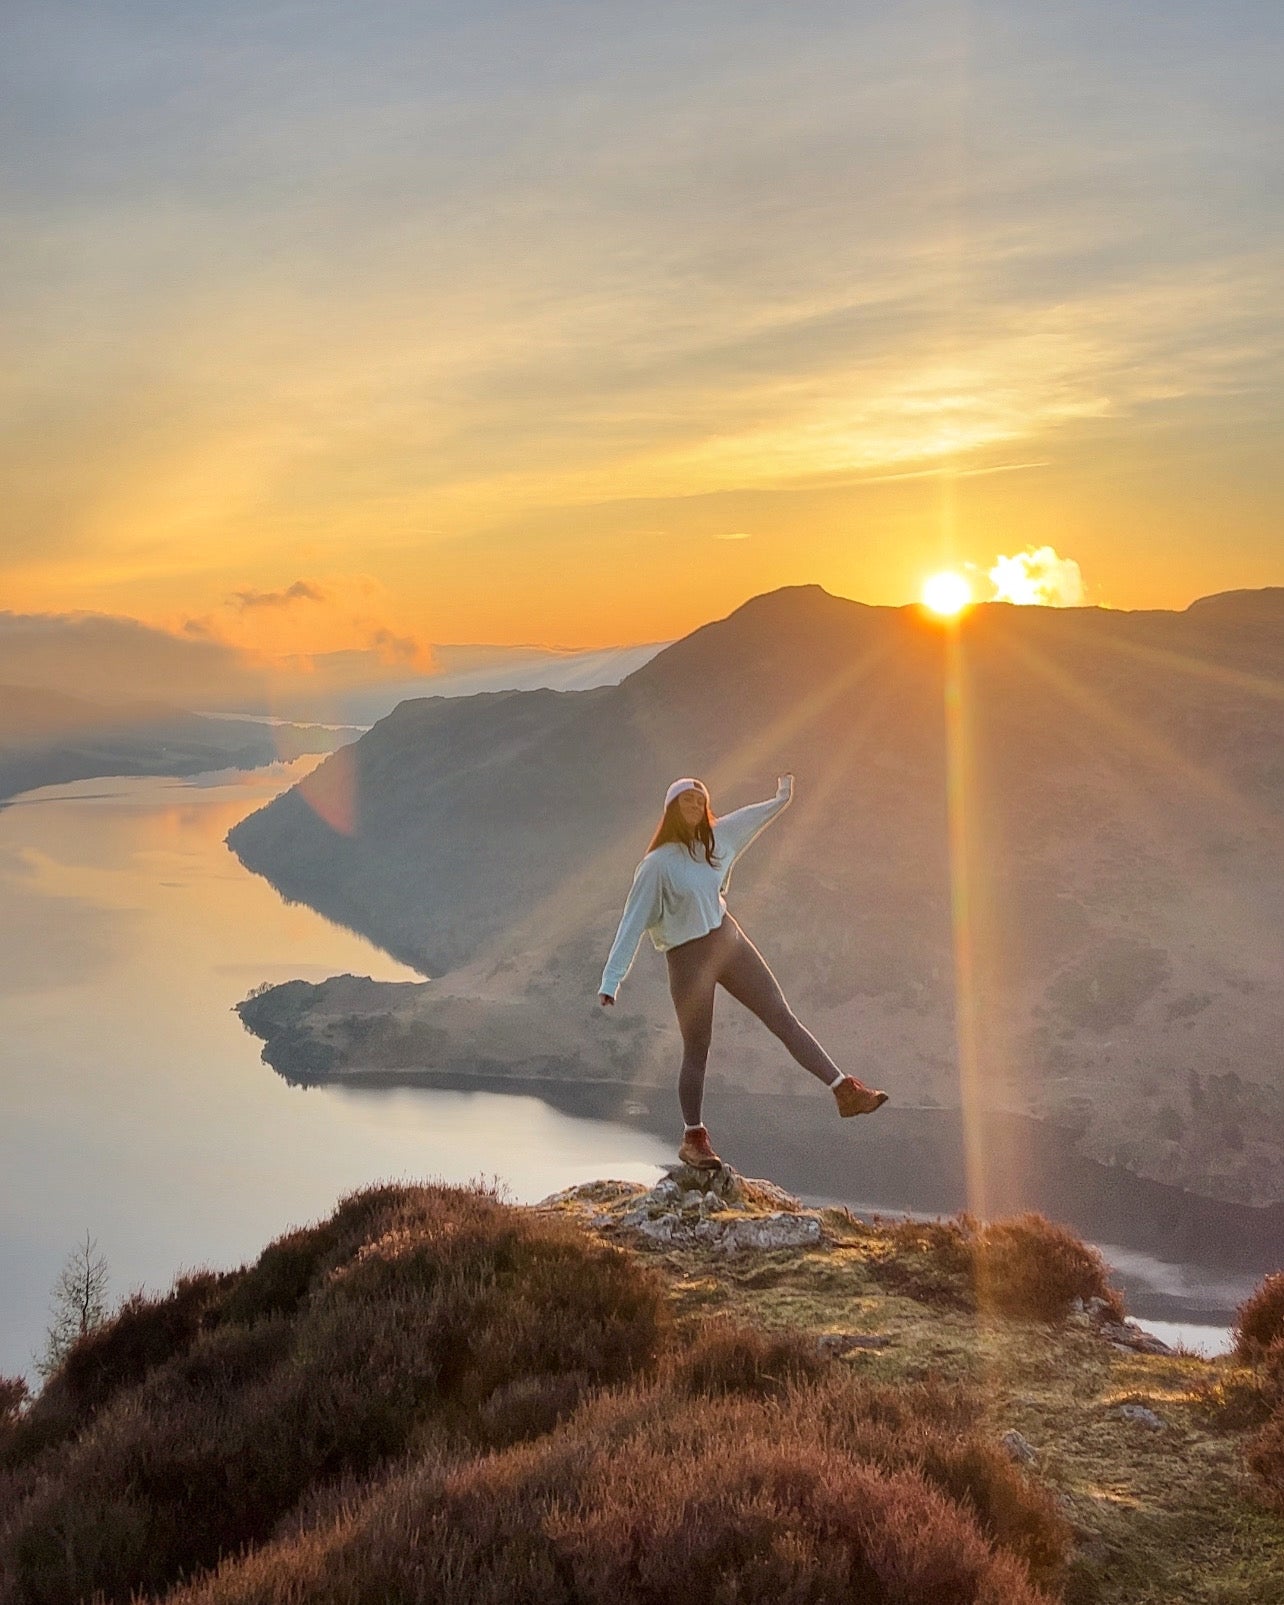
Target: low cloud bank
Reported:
point(107, 658)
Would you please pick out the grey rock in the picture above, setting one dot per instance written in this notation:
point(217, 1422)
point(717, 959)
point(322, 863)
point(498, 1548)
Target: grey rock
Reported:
point(837, 1343)
point(1018, 1447)
point(722, 1181)
point(1128, 1335)
point(1140, 1414)
point(659, 1231)
point(768, 1232)
point(594, 1192)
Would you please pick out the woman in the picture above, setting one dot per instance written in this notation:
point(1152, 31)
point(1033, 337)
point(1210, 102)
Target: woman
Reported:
point(677, 897)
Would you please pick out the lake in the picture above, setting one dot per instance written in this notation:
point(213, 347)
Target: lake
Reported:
point(136, 1107)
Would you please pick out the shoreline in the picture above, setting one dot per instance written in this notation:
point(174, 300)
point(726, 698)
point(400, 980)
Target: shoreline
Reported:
point(911, 1160)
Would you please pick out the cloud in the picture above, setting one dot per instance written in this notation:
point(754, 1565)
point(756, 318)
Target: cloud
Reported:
point(1038, 577)
point(775, 258)
point(351, 625)
point(734, 535)
point(110, 658)
point(401, 649)
point(300, 591)
point(251, 656)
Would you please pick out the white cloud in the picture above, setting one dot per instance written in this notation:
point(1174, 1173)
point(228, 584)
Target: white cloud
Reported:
point(1039, 576)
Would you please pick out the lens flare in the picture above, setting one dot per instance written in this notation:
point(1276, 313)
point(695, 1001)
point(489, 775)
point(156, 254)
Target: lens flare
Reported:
point(946, 593)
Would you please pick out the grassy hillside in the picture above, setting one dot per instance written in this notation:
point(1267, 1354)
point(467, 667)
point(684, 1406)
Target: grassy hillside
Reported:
point(636, 1397)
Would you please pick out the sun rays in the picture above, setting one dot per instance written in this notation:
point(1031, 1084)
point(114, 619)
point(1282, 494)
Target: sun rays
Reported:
point(992, 765)
point(1159, 773)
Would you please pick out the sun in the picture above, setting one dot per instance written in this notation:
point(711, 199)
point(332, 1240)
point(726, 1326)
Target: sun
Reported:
point(946, 593)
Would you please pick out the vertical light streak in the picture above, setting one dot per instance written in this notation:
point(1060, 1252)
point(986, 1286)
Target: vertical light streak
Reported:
point(963, 912)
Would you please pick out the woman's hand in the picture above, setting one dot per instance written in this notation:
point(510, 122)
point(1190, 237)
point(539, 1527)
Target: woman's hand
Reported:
point(606, 1000)
point(785, 782)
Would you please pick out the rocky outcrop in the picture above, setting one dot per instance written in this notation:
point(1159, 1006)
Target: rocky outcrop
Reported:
point(719, 1212)
point(715, 1209)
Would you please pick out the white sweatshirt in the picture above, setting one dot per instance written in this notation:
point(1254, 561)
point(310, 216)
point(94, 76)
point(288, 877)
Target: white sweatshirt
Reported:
point(675, 897)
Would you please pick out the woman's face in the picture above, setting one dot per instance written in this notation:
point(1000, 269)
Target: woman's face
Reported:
point(691, 804)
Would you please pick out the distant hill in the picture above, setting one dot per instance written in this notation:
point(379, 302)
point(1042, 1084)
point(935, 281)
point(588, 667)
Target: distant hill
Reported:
point(1110, 877)
point(1265, 606)
point(462, 671)
point(48, 738)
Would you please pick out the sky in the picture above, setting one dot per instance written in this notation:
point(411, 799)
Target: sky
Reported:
point(363, 328)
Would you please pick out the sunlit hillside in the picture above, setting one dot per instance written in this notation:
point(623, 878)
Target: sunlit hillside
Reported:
point(1033, 863)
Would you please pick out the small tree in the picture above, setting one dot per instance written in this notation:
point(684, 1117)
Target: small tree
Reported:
point(79, 1304)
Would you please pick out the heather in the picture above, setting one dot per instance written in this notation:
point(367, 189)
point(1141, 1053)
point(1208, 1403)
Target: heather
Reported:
point(1259, 1321)
point(434, 1395)
point(188, 1428)
point(645, 1497)
point(1026, 1267)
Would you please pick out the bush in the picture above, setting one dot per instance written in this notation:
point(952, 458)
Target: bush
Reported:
point(433, 1395)
point(1266, 1460)
point(1259, 1321)
point(726, 1358)
point(143, 1333)
point(645, 1498)
point(1231, 1400)
point(1029, 1268)
point(1271, 1371)
point(1023, 1266)
point(1246, 1396)
point(411, 1310)
point(937, 1430)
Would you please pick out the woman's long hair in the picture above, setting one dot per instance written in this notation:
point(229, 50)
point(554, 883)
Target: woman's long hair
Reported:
point(673, 828)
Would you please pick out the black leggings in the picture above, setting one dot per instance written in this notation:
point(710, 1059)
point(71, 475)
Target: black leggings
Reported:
point(726, 957)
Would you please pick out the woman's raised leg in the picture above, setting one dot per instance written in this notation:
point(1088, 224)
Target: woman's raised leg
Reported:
point(747, 976)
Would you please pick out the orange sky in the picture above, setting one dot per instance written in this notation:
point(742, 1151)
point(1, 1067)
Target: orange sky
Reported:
point(493, 325)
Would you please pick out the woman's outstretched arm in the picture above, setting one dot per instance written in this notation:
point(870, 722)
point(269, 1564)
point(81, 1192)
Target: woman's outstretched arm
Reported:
point(640, 911)
point(734, 831)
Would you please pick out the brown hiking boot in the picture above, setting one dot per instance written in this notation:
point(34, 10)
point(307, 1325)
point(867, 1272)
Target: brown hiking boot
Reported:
point(855, 1098)
point(697, 1151)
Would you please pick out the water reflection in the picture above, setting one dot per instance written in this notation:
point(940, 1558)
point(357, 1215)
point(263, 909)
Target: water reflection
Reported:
point(134, 1102)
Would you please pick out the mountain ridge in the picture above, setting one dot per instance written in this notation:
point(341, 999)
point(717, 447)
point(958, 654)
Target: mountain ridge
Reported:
point(1104, 788)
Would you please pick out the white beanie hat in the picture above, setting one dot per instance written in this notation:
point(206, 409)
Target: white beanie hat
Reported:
point(679, 786)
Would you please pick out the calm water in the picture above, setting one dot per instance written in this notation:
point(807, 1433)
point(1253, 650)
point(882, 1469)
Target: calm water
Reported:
point(133, 1103)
